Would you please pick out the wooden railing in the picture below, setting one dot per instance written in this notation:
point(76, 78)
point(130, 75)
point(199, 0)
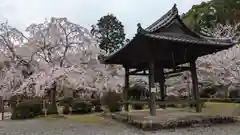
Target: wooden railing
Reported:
point(182, 101)
point(167, 102)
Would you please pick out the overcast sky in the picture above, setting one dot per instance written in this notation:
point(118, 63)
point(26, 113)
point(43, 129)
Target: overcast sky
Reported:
point(21, 13)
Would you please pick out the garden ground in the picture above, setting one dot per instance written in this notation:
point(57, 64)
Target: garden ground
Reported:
point(95, 125)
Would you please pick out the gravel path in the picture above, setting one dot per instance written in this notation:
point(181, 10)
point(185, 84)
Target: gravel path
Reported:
point(64, 127)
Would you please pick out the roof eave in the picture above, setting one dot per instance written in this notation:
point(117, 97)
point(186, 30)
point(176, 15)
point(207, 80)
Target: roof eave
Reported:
point(171, 14)
point(110, 56)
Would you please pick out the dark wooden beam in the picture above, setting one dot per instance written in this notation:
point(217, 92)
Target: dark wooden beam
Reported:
point(179, 70)
point(140, 74)
point(173, 75)
point(166, 102)
point(2, 106)
point(166, 76)
point(125, 91)
point(162, 86)
point(195, 85)
point(136, 71)
point(152, 93)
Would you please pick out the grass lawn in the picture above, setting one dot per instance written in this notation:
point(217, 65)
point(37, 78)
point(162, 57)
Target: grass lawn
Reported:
point(222, 108)
point(93, 118)
point(212, 108)
point(86, 118)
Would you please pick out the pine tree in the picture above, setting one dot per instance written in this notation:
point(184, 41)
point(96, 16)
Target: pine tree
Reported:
point(110, 33)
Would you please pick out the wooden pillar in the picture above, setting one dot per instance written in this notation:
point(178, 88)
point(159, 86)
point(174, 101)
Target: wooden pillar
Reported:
point(2, 106)
point(195, 85)
point(152, 90)
point(162, 86)
point(125, 91)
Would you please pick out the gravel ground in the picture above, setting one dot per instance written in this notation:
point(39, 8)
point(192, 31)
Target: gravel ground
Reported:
point(65, 127)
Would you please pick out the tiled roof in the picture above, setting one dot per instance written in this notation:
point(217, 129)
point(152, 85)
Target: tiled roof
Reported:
point(188, 36)
point(188, 39)
point(171, 28)
point(164, 20)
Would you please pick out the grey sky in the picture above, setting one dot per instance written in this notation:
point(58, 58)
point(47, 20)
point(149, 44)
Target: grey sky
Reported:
point(21, 13)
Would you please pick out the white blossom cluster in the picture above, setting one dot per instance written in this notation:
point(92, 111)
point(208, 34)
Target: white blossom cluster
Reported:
point(221, 68)
point(55, 50)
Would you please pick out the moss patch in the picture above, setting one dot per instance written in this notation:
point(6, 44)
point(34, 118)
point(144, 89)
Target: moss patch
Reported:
point(94, 118)
point(222, 108)
point(86, 118)
point(51, 117)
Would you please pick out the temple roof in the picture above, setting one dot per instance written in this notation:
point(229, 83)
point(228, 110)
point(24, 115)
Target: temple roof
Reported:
point(169, 42)
point(164, 20)
point(171, 27)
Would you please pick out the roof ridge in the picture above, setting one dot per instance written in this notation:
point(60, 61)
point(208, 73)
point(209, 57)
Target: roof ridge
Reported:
point(172, 12)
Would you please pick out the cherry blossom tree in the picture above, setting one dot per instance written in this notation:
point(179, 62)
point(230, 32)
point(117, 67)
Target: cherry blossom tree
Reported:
point(56, 50)
point(219, 69)
point(223, 66)
point(13, 67)
point(68, 52)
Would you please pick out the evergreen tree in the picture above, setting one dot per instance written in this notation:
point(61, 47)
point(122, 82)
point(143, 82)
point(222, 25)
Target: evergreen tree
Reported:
point(110, 33)
point(208, 14)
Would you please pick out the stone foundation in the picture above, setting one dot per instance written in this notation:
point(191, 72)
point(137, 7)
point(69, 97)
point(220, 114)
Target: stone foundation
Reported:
point(158, 122)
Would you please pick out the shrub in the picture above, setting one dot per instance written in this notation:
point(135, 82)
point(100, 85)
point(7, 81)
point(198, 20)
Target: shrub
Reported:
point(65, 100)
point(27, 109)
point(23, 113)
point(80, 107)
point(98, 108)
point(136, 91)
point(97, 105)
point(14, 100)
point(172, 98)
point(52, 109)
point(96, 102)
point(66, 109)
point(221, 100)
point(111, 100)
point(205, 93)
point(169, 105)
point(137, 106)
point(234, 94)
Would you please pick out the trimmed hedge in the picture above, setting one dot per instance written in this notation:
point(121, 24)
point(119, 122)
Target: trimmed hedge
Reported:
point(138, 106)
point(65, 100)
point(14, 100)
point(136, 91)
point(97, 105)
point(223, 100)
point(112, 100)
point(52, 109)
point(81, 107)
point(66, 109)
point(27, 109)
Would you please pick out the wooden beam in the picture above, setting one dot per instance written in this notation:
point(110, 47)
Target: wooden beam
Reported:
point(2, 106)
point(152, 103)
point(181, 69)
point(162, 86)
point(173, 75)
point(195, 85)
point(166, 76)
point(178, 70)
point(168, 102)
point(136, 71)
point(139, 74)
point(125, 91)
